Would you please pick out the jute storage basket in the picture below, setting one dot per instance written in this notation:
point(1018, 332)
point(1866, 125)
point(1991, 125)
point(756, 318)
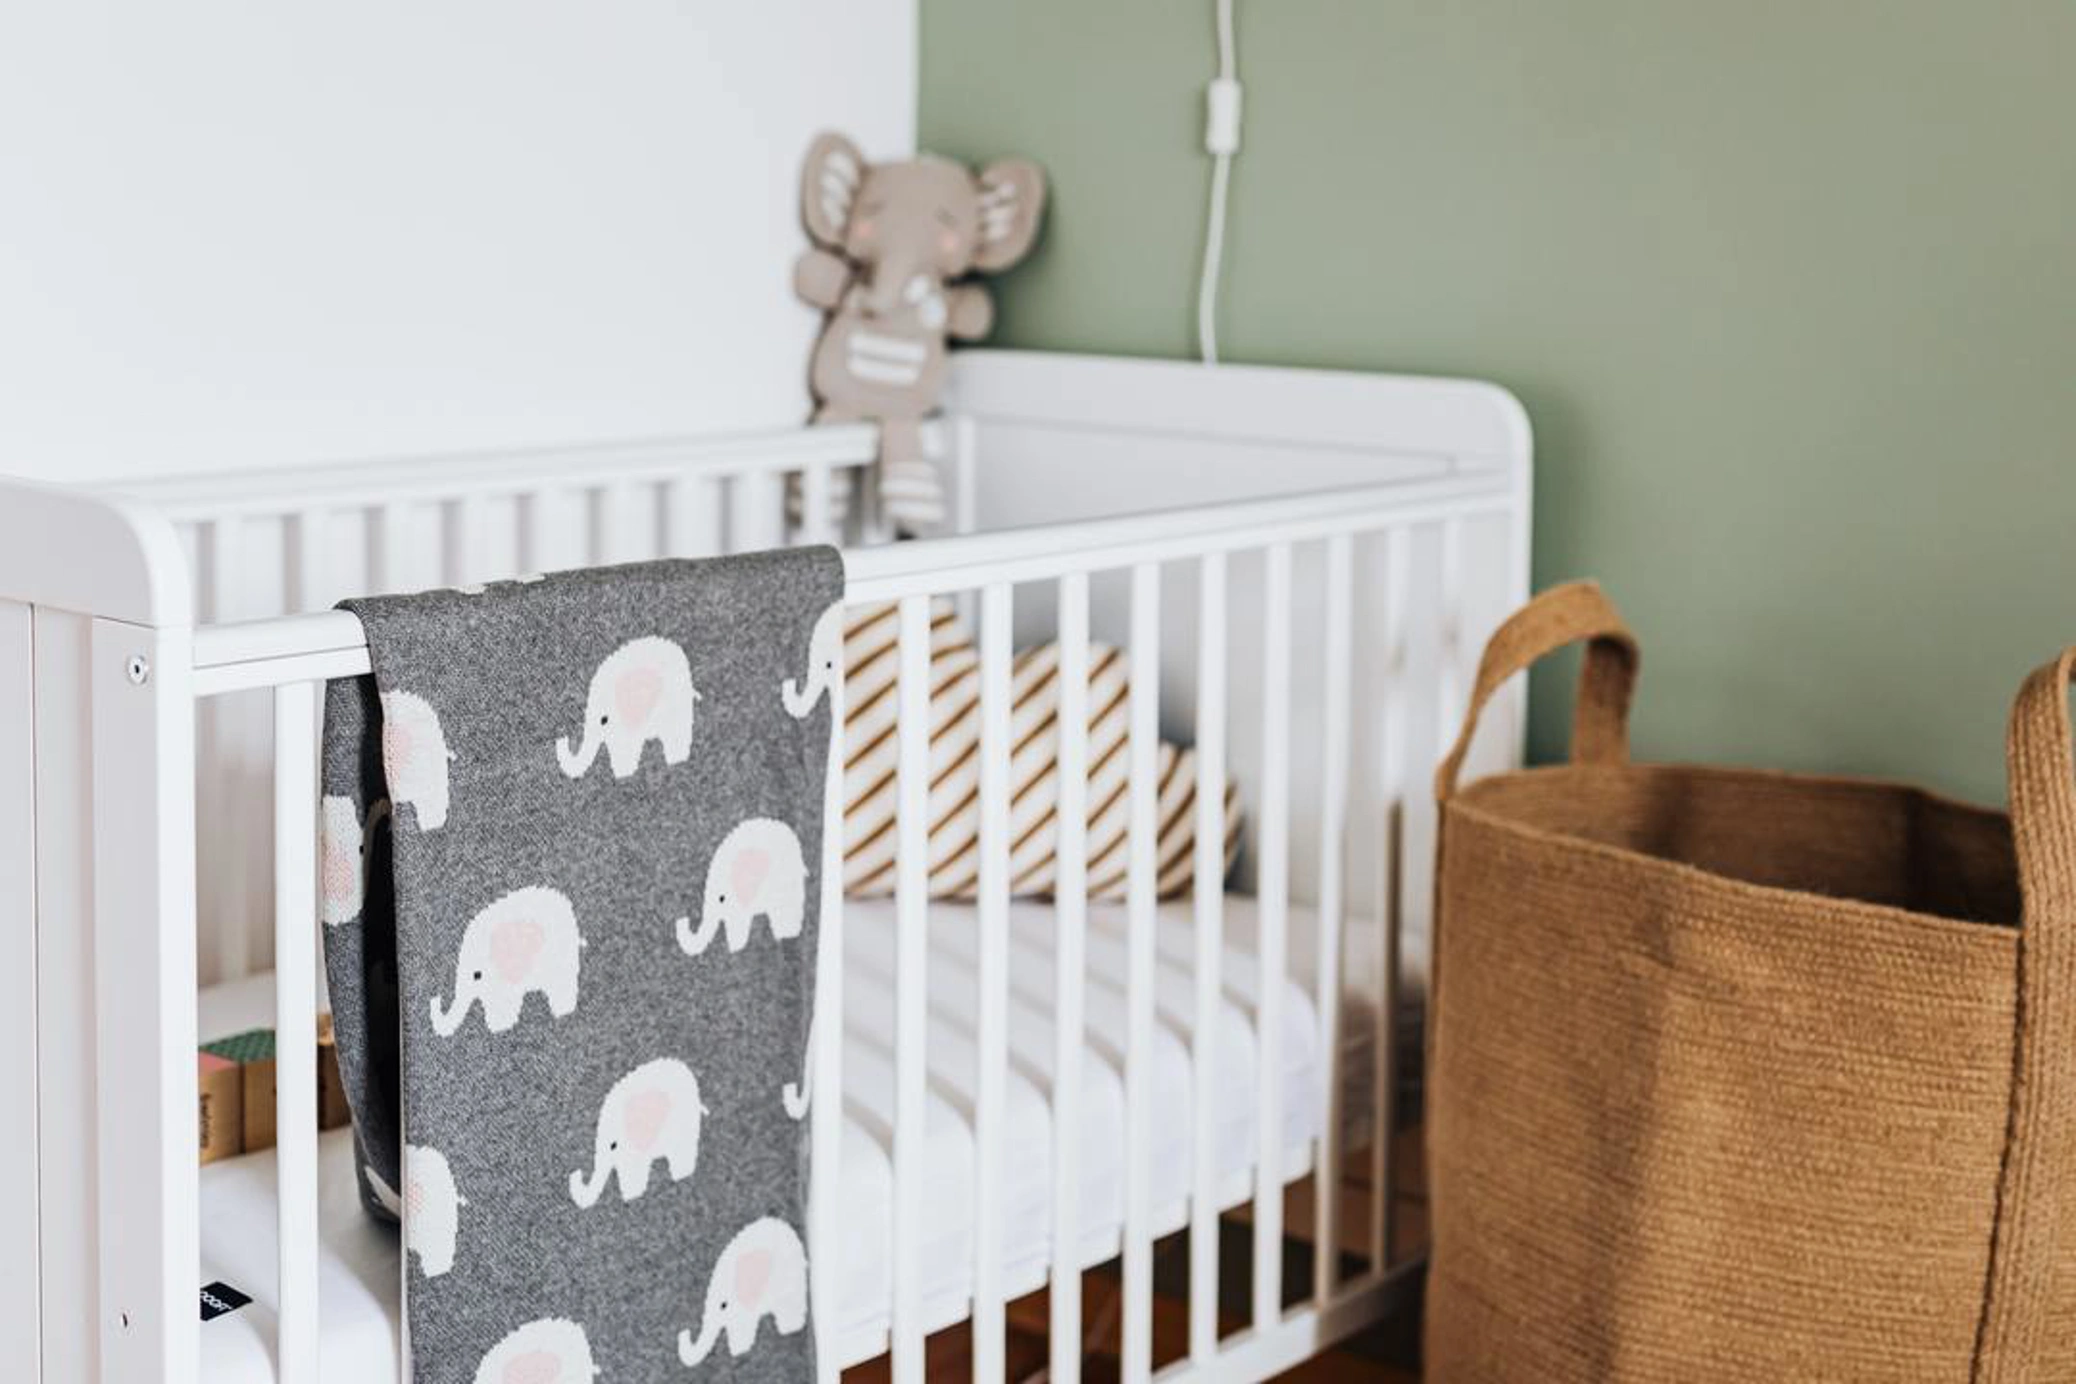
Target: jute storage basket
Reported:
point(1749, 1076)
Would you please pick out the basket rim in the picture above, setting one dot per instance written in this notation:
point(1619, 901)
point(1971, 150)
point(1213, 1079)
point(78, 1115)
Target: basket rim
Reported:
point(1465, 802)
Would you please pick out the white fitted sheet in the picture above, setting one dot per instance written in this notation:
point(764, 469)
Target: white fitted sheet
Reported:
point(358, 1258)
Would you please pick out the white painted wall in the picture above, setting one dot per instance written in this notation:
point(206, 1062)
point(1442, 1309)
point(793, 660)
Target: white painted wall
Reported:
point(246, 233)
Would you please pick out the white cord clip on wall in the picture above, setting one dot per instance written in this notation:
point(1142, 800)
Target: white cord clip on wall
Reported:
point(1221, 141)
point(1222, 116)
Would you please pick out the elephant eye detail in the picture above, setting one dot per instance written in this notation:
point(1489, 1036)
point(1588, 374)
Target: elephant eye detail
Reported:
point(603, 719)
point(479, 975)
point(613, 1147)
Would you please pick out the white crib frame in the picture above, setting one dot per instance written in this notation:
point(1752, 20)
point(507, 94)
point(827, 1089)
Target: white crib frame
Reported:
point(102, 664)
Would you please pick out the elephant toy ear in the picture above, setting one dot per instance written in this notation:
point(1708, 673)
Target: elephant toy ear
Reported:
point(1012, 202)
point(829, 185)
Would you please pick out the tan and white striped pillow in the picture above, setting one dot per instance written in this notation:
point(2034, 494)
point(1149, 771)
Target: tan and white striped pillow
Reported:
point(872, 687)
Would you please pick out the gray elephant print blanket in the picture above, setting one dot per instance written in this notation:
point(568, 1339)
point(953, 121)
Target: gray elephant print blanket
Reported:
point(571, 869)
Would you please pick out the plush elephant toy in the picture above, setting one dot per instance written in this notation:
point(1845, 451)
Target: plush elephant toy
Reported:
point(891, 241)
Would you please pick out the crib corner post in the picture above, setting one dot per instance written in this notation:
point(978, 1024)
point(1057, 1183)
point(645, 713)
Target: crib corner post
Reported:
point(98, 593)
point(143, 873)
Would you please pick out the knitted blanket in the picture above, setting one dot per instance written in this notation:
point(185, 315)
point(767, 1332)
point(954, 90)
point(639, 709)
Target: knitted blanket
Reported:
point(572, 833)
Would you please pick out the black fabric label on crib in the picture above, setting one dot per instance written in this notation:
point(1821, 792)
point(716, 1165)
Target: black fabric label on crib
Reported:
point(219, 1298)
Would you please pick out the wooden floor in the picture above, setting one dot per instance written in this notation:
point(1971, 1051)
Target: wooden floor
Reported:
point(1382, 1356)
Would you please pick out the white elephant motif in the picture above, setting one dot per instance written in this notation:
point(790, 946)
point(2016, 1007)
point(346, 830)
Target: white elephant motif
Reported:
point(549, 1351)
point(641, 692)
point(431, 1209)
point(347, 842)
point(758, 869)
point(415, 757)
point(798, 1096)
point(523, 579)
point(762, 1272)
point(824, 660)
point(525, 941)
point(652, 1112)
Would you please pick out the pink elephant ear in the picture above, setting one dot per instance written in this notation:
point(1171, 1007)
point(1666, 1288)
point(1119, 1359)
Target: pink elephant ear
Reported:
point(514, 944)
point(341, 871)
point(645, 1116)
point(752, 1273)
point(534, 1367)
point(414, 1198)
point(396, 748)
point(635, 695)
point(746, 873)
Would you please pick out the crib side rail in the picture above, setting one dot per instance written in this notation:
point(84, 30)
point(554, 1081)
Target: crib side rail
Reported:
point(270, 543)
point(1236, 577)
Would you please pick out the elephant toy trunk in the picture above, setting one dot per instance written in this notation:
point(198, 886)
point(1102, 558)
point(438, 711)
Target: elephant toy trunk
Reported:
point(586, 1193)
point(576, 763)
point(691, 1352)
point(696, 940)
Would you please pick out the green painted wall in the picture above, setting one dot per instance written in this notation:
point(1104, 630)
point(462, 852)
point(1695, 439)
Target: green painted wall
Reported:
point(1789, 290)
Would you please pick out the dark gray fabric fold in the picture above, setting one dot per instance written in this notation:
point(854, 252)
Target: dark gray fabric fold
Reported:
point(572, 838)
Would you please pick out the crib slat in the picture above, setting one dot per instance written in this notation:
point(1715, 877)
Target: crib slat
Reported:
point(757, 511)
point(546, 510)
point(693, 517)
point(815, 522)
point(911, 904)
point(1333, 834)
point(387, 559)
point(989, 1134)
point(826, 1112)
point(1070, 891)
point(619, 525)
point(467, 539)
point(232, 924)
point(1391, 775)
point(1274, 890)
point(1143, 883)
point(1209, 869)
point(295, 1024)
point(1450, 651)
point(965, 432)
point(311, 577)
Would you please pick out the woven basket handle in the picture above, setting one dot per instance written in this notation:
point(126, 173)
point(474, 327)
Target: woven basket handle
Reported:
point(2025, 1254)
point(1560, 616)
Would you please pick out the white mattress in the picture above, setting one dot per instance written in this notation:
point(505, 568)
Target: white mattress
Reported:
point(358, 1269)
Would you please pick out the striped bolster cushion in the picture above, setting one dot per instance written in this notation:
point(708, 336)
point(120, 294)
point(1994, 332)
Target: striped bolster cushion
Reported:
point(871, 682)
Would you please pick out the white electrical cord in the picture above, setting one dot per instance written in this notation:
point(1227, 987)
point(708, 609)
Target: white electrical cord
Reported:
point(1221, 141)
